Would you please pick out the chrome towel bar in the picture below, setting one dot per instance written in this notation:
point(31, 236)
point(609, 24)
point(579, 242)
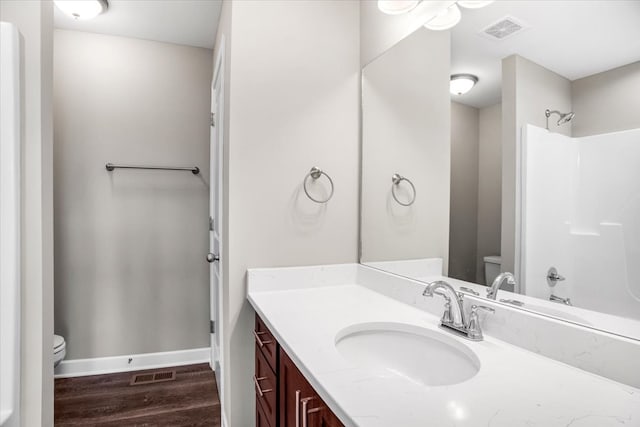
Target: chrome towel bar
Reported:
point(194, 170)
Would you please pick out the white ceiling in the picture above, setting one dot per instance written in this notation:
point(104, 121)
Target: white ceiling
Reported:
point(572, 38)
point(186, 22)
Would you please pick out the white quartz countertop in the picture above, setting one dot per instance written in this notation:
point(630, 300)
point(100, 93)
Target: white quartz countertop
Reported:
point(513, 387)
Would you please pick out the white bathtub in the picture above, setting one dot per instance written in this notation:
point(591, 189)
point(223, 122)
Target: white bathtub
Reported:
point(9, 225)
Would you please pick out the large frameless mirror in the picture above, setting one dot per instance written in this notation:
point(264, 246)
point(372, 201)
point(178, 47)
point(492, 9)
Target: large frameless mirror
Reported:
point(511, 144)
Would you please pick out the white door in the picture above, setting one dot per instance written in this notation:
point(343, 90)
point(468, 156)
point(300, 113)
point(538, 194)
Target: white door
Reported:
point(215, 217)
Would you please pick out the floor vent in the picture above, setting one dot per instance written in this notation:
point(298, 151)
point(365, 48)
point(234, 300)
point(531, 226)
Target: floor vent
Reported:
point(152, 378)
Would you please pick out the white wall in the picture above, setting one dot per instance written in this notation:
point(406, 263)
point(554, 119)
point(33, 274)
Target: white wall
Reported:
point(34, 20)
point(130, 245)
point(293, 103)
point(464, 221)
point(528, 89)
point(405, 130)
point(607, 101)
point(489, 185)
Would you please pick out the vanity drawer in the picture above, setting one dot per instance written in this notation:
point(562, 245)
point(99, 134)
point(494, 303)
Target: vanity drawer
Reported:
point(266, 383)
point(266, 343)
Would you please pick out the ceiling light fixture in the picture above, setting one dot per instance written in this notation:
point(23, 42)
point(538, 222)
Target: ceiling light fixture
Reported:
point(473, 4)
point(445, 19)
point(462, 83)
point(82, 9)
point(397, 7)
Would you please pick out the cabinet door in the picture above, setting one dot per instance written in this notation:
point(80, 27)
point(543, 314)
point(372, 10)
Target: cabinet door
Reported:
point(328, 418)
point(261, 418)
point(293, 389)
point(315, 413)
point(300, 406)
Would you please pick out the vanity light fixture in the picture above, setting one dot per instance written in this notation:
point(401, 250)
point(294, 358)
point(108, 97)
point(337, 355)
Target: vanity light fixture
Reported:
point(445, 19)
point(473, 4)
point(397, 7)
point(462, 83)
point(82, 9)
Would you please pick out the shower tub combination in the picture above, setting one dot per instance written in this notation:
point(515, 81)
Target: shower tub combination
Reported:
point(580, 201)
point(9, 225)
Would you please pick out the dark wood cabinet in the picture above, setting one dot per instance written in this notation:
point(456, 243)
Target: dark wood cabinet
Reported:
point(296, 402)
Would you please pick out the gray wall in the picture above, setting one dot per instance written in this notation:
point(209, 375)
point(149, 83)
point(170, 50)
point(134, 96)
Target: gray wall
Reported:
point(129, 245)
point(527, 90)
point(464, 192)
point(294, 103)
point(405, 130)
point(489, 185)
point(607, 101)
point(35, 22)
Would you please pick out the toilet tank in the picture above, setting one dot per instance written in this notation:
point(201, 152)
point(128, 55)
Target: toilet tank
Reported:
point(492, 266)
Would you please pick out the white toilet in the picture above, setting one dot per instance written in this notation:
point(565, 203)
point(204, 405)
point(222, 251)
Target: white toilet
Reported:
point(492, 266)
point(59, 349)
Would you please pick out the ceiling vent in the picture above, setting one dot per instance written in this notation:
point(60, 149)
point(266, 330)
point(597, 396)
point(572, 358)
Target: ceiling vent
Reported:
point(504, 28)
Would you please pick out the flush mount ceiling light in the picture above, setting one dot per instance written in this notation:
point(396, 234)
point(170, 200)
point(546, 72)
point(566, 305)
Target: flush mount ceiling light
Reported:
point(462, 83)
point(397, 7)
point(82, 9)
point(445, 19)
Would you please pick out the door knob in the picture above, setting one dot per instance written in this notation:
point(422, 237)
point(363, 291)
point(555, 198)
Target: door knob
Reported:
point(212, 258)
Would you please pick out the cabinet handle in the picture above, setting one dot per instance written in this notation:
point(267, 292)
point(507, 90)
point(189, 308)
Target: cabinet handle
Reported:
point(260, 391)
point(258, 340)
point(297, 408)
point(306, 411)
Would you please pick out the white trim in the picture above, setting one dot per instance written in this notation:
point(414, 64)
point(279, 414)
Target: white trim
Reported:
point(133, 362)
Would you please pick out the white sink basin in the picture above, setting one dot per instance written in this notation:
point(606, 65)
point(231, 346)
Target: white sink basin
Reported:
point(419, 355)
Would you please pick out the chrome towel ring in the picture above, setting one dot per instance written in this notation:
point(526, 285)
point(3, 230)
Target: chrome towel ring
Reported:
point(397, 179)
point(314, 174)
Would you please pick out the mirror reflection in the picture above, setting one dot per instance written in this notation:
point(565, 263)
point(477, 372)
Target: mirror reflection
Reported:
point(502, 155)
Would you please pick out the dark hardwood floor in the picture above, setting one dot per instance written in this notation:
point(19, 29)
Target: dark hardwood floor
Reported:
point(108, 400)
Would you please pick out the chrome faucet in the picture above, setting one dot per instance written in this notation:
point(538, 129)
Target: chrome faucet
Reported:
point(453, 318)
point(492, 292)
point(565, 301)
point(453, 314)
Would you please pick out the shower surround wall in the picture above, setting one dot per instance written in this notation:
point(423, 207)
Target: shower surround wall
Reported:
point(130, 275)
point(581, 208)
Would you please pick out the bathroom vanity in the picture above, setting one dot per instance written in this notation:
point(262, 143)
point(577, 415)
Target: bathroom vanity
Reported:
point(283, 394)
point(351, 345)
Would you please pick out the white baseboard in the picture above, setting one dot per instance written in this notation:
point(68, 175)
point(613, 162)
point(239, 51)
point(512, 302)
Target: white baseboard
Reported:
point(133, 362)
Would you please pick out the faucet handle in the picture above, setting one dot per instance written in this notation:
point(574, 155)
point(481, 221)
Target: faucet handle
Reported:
point(474, 332)
point(475, 308)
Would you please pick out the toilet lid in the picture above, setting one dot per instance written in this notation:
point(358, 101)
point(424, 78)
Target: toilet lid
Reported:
point(58, 341)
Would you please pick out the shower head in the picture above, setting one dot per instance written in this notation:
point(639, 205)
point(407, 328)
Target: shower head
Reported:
point(564, 117)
